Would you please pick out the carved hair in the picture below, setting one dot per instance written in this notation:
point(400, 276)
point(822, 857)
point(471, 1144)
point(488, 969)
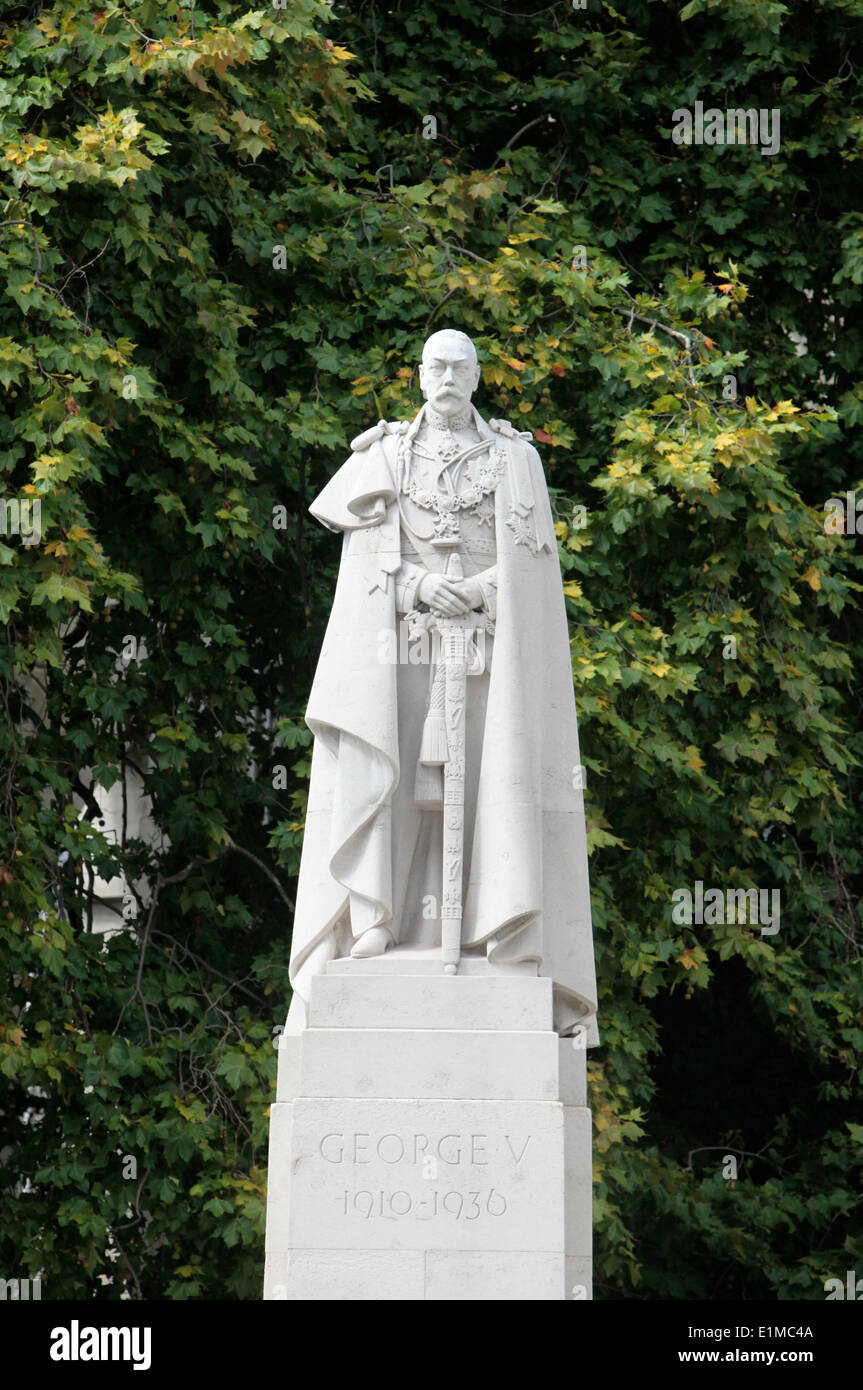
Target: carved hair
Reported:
point(450, 333)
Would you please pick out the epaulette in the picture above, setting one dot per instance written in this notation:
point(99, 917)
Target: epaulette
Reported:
point(369, 437)
point(504, 427)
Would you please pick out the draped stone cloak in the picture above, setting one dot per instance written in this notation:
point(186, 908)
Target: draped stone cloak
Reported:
point(526, 897)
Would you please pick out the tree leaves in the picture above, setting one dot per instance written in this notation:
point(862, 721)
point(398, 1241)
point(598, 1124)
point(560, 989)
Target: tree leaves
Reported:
point(676, 327)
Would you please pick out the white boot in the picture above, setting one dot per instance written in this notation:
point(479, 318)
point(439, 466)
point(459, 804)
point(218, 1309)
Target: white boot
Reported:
point(373, 942)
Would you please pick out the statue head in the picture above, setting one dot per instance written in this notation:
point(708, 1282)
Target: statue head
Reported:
point(449, 372)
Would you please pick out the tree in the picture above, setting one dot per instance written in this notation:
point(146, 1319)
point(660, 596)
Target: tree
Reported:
point(225, 235)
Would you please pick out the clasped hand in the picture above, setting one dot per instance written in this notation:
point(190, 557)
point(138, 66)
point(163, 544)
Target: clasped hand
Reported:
point(447, 598)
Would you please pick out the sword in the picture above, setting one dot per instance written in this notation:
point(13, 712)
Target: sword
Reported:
point(457, 653)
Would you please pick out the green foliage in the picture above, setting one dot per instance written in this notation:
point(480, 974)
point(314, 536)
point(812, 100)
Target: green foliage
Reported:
point(175, 400)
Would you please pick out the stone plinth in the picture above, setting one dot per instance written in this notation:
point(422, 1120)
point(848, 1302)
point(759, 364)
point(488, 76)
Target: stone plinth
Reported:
point(429, 1140)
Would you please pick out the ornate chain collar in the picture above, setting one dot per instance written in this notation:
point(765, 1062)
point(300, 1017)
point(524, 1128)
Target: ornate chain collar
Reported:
point(446, 506)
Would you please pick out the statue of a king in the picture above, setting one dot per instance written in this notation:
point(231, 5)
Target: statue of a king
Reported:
point(445, 797)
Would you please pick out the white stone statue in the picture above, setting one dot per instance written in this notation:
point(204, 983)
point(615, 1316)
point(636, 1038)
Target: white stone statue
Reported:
point(445, 815)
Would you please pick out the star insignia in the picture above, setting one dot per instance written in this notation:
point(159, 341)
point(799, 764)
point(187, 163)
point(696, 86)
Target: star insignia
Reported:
point(521, 528)
point(449, 451)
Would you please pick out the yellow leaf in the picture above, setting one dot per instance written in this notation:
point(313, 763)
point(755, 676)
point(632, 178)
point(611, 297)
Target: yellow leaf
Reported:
point(693, 760)
point(813, 578)
point(560, 529)
point(571, 589)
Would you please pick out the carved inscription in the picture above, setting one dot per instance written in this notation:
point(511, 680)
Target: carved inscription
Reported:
point(358, 1147)
point(426, 1175)
point(466, 1206)
point(446, 1163)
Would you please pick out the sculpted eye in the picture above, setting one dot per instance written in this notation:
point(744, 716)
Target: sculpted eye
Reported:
point(459, 368)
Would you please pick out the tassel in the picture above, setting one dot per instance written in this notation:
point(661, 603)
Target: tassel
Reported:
point(428, 785)
point(433, 750)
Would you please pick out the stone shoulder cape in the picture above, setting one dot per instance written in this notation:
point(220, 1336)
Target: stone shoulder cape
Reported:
point(527, 895)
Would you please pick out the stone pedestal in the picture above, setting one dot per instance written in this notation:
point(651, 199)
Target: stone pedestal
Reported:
point(429, 1140)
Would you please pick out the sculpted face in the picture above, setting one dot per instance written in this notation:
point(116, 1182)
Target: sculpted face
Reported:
point(449, 372)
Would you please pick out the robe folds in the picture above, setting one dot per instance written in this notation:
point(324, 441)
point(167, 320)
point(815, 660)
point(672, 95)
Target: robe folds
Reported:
point(526, 894)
